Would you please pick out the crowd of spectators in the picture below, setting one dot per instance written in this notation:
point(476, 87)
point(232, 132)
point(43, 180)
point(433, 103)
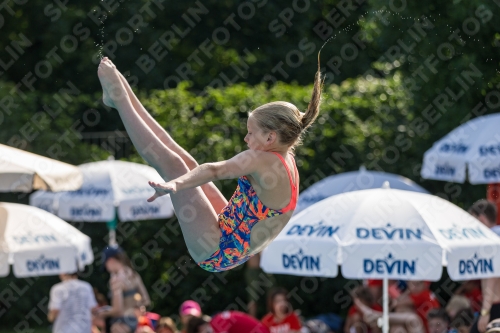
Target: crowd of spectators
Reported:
point(413, 307)
point(474, 307)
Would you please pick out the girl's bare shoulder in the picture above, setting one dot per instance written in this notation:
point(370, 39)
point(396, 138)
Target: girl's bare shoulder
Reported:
point(261, 155)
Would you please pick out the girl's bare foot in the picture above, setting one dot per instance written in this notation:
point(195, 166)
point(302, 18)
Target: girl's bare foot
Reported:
point(110, 90)
point(106, 99)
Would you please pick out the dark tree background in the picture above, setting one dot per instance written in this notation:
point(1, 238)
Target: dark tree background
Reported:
point(399, 76)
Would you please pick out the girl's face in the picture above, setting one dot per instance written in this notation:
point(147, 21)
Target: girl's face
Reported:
point(113, 265)
point(256, 138)
point(280, 305)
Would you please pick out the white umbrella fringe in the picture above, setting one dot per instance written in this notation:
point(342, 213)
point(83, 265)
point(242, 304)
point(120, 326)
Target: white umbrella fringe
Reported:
point(37, 243)
point(316, 229)
point(22, 171)
point(109, 186)
point(474, 145)
point(352, 181)
point(332, 233)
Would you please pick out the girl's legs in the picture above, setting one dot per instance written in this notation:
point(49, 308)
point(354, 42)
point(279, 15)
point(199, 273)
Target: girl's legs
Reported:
point(213, 194)
point(196, 215)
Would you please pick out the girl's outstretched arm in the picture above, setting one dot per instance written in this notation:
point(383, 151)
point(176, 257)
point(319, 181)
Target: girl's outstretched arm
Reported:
point(245, 163)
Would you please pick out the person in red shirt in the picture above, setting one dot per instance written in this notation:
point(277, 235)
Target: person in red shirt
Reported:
point(472, 290)
point(409, 322)
point(418, 298)
point(226, 322)
point(281, 318)
point(375, 287)
point(410, 308)
point(486, 212)
point(354, 322)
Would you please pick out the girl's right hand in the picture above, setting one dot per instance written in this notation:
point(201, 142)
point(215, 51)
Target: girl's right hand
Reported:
point(161, 189)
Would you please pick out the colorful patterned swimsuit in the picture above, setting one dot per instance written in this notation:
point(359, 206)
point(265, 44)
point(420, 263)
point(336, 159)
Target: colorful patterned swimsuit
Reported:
point(243, 211)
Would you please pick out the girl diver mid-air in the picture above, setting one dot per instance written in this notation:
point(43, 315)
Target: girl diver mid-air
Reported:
point(222, 234)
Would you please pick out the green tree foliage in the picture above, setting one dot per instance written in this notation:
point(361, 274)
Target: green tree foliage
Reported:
point(397, 75)
point(215, 39)
point(447, 54)
point(51, 124)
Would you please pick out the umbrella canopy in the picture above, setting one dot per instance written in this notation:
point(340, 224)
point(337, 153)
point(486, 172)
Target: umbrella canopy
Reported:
point(38, 243)
point(21, 171)
point(108, 186)
point(353, 181)
point(384, 234)
point(472, 149)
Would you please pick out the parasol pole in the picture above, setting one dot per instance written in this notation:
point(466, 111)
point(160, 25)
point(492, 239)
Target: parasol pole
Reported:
point(112, 230)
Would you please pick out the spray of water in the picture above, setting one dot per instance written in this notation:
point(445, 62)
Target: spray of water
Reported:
point(381, 14)
point(101, 35)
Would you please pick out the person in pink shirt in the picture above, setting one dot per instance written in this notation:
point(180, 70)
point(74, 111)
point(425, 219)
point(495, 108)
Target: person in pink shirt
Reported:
point(226, 322)
point(188, 310)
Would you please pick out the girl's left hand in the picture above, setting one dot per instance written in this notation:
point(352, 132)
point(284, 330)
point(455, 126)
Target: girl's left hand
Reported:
point(161, 189)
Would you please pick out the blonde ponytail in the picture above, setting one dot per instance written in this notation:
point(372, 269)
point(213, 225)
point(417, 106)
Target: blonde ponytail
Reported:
point(285, 118)
point(313, 108)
